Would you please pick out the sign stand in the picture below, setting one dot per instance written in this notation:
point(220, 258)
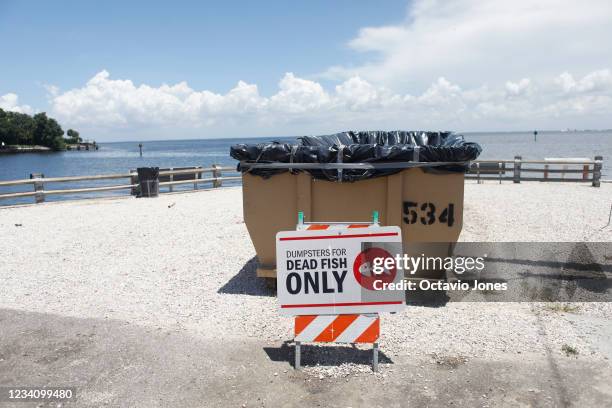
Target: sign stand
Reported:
point(372, 317)
point(298, 355)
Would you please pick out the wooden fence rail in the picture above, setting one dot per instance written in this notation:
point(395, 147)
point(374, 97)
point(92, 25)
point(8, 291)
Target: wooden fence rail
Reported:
point(499, 170)
point(39, 193)
point(589, 170)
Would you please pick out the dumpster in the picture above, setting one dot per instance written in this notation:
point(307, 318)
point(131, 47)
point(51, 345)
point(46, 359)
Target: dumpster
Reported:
point(413, 179)
point(148, 180)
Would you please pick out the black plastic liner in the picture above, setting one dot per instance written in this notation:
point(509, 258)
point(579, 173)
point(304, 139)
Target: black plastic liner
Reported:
point(361, 147)
point(148, 179)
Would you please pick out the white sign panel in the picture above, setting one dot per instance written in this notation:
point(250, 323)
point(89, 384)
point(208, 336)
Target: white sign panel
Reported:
point(332, 271)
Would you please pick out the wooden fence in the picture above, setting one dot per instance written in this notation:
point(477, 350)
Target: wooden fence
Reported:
point(516, 170)
point(168, 178)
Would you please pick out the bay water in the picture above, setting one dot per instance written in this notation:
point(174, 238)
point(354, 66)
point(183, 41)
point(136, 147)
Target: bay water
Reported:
point(120, 157)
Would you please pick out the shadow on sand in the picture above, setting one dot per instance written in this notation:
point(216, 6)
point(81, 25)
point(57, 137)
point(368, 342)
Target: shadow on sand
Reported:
point(426, 298)
point(246, 282)
point(324, 355)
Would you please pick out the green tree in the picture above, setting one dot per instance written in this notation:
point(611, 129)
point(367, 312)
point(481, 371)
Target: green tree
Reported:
point(47, 132)
point(21, 129)
point(16, 128)
point(5, 137)
point(73, 136)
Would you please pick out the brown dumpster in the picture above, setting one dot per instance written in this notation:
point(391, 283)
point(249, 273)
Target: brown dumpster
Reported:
point(428, 208)
point(413, 179)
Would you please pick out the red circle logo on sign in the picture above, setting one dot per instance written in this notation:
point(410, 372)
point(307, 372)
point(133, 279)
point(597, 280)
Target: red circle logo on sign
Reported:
point(363, 268)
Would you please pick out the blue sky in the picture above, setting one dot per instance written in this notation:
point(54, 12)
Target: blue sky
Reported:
point(210, 44)
point(118, 70)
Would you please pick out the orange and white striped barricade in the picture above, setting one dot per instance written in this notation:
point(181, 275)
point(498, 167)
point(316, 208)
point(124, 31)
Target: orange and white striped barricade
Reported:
point(343, 328)
point(326, 280)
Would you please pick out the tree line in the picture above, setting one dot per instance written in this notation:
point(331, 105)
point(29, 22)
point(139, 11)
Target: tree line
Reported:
point(22, 129)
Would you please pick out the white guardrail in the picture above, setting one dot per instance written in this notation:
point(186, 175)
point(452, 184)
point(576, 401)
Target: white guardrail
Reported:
point(516, 170)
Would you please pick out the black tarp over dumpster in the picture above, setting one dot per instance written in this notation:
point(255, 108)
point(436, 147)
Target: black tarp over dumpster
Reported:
point(445, 148)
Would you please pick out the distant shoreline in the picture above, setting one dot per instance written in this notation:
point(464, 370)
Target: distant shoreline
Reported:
point(14, 149)
point(25, 149)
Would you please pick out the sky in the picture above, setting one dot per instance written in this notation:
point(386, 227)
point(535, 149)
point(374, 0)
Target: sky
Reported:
point(173, 70)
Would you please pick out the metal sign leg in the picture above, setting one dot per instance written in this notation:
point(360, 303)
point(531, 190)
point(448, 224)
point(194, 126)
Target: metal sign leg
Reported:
point(298, 355)
point(375, 357)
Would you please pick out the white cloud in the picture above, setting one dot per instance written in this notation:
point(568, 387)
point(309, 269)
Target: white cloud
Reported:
point(107, 102)
point(441, 92)
point(299, 95)
point(302, 106)
point(518, 88)
point(460, 65)
point(357, 94)
point(454, 56)
point(52, 90)
point(598, 81)
point(474, 42)
point(10, 102)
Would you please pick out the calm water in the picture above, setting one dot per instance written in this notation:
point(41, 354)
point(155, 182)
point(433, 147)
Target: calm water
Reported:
point(120, 157)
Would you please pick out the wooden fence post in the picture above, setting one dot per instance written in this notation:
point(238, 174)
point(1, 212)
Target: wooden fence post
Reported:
point(597, 171)
point(217, 175)
point(39, 187)
point(134, 182)
point(195, 183)
point(517, 169)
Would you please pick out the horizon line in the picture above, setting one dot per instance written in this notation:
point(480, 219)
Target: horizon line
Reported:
point(296, 136)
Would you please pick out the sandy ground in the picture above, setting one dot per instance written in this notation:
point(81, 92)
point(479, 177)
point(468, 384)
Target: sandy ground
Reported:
point(153, 302)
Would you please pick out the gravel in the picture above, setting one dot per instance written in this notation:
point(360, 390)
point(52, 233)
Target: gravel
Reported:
point(537, 212)
point(184, 262)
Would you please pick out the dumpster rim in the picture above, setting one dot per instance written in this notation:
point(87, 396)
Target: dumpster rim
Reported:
point(332, 166)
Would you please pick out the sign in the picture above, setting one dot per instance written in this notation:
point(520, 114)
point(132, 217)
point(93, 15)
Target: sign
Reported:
point(333, 272)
